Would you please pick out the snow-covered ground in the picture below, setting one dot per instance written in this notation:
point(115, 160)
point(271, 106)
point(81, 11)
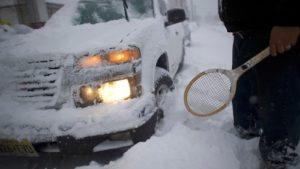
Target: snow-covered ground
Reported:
point(187, 142)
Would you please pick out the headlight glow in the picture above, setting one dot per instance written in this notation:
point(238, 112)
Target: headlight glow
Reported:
point(114, 91)
point(123, 56)
point(90, 61)
point(87, 93)
point(107, 92)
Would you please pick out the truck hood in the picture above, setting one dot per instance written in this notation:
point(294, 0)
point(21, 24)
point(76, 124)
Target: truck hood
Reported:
point(74, 39)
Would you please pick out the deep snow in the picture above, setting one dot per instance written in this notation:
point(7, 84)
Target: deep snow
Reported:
point(184, 141)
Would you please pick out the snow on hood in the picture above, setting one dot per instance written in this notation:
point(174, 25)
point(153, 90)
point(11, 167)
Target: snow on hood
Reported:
point(72, 39)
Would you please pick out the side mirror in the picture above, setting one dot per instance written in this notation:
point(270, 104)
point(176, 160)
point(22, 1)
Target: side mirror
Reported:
point(175, 16)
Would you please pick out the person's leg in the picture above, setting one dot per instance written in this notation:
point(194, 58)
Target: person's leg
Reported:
point(279, 85)
point(245, 103)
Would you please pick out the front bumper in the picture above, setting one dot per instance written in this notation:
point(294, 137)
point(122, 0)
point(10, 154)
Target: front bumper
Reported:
point(73, 126)
point(69, 145)
point(70, 152)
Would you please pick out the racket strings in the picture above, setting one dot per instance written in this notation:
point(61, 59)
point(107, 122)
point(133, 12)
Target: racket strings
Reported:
point(209, 93)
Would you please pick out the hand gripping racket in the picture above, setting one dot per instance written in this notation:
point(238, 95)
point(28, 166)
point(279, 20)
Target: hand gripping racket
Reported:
point(211, 91)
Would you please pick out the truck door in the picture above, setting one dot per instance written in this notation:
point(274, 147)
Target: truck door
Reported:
point(175, 40)
point(175, 34)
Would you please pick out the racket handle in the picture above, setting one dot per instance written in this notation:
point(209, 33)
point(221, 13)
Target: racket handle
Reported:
point(252, 62)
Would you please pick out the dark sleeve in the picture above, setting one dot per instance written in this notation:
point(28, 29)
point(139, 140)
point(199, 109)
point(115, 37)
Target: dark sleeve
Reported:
point(287, 13)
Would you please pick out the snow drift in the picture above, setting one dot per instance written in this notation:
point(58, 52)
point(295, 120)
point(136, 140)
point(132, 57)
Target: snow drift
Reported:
point(182, 148)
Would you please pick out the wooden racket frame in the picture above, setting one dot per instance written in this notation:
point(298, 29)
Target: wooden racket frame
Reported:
point(233, 76)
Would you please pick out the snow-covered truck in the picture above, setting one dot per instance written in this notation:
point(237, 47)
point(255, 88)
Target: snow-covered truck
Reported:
point(93, 79)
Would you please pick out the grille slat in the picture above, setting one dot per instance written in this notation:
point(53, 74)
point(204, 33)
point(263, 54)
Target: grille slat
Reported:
point(32, 78)
point(31, 65)
point(36, 84)
point(36, 73)
point(24, 93)
point(36, 99)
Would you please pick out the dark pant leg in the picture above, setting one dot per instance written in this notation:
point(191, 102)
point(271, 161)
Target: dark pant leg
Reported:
point(245, 103)
point(279, 85)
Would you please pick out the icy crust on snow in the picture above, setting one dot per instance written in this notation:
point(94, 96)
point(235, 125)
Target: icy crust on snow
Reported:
point(181, 148)
point(72, 39)
point(20, 122)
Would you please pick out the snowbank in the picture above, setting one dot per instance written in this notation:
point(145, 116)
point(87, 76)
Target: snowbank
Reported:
point(182, 148)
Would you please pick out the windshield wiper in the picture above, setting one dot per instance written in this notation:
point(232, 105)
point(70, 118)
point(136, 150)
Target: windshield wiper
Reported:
point(125, 5)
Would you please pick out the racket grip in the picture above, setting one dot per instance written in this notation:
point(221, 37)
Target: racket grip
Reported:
point(253, 61)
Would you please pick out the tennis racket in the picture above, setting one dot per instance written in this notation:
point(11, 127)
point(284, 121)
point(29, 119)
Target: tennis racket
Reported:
point(211, 91)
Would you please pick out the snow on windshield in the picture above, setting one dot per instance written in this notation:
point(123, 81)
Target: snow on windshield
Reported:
point(96, 11)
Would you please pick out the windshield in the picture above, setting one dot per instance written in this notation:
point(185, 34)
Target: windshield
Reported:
point(96, 11)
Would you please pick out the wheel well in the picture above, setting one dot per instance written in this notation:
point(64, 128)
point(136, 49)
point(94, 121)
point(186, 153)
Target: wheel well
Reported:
point(163, 62)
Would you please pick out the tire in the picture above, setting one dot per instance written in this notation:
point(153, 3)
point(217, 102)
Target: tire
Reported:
point(163, 85)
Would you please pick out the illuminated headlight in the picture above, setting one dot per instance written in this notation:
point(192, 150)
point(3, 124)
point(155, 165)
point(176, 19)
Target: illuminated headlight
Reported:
point(90, 61)
point(123, 56)
point(108, 92)
point(114, 91)
point(110, 57)
point(88, 94)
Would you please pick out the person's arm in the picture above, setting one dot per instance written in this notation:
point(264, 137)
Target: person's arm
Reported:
point(287, 30)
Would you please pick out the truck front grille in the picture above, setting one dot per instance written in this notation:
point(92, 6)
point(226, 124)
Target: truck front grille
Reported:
point(39, 82)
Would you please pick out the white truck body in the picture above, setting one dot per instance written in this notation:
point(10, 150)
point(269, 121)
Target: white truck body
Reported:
point(50, 54)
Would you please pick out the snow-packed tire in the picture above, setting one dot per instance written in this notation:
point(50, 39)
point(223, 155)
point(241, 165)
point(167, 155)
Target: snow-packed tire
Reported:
point(163, 84)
